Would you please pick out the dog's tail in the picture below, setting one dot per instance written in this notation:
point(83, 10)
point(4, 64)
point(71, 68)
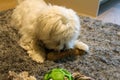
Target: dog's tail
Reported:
point(19, 1)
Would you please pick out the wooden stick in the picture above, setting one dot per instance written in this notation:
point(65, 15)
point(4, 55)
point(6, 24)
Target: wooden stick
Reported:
point(59, 55)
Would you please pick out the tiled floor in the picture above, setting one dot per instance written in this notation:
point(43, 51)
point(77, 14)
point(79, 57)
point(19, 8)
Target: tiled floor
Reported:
point(110, 12)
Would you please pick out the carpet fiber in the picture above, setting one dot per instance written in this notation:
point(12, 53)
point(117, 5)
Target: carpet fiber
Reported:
point(102, 62)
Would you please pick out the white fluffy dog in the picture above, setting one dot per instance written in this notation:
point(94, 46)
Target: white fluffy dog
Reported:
point(46, 26)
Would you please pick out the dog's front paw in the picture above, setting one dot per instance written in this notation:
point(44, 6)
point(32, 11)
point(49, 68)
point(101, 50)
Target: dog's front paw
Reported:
point(36, 57)
point(82, 46)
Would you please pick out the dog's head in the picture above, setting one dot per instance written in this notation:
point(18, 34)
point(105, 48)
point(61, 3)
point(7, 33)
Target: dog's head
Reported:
point(57, 26)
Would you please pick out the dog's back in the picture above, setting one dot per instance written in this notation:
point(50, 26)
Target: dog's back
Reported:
point(26, 12)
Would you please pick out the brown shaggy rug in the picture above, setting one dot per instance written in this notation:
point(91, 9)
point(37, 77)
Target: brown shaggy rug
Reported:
point(102, 62)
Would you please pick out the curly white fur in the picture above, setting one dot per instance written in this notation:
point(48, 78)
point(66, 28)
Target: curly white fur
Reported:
point(57, 27)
